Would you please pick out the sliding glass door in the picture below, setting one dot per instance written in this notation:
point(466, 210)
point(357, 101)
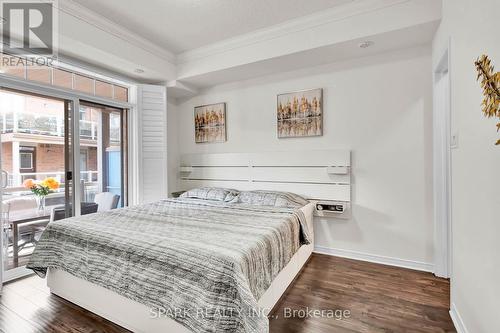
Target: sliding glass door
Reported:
point(34, 137)
point(103, 155)
point(59, 158)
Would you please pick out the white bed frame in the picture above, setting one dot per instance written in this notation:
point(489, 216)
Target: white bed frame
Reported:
point(307, 173)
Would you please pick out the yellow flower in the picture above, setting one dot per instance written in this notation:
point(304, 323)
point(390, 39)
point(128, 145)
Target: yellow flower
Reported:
point(51, 183)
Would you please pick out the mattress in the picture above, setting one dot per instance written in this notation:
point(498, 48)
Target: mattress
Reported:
point(203, 263)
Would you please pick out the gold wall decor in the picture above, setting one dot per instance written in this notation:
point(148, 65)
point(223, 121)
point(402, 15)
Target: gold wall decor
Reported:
point(210, 123)
point(490, 82)
point(300, 113)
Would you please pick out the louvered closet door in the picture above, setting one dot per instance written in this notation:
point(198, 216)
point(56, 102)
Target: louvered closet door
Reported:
point(152, 101)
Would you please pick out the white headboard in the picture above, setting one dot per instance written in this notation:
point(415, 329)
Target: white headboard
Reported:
point(314, 174)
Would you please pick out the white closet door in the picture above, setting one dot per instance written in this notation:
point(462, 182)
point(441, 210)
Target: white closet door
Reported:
point(152, 105)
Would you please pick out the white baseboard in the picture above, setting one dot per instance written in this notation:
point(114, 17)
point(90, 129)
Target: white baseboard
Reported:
point(457, 320)
point(416, 265)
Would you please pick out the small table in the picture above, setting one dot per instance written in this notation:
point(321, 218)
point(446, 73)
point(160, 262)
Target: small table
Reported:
point(36, 216)
point(31, 216)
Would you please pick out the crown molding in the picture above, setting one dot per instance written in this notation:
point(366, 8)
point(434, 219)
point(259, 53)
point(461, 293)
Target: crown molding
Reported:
point(74, 9)
point(355, 8)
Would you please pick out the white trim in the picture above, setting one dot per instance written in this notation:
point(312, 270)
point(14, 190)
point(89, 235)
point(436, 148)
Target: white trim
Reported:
point(457, 319)
point(133, 148)
point(289, 27)
point(375, 258)
point(74, 9)
point(75, 137)
point(442, 166)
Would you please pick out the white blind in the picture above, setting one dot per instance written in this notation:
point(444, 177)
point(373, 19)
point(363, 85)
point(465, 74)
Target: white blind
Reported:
point(152, 101)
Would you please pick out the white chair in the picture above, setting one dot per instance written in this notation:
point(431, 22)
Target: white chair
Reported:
point(21, 204)
point(5, 211)
point(21, 208)
point(106, 201)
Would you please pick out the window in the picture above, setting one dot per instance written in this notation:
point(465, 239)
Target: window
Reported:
point(68, 79)
point(83, 160)
point(103, 89)
point(39, 73)
point(83, 84)
point(121, 93)
point(11, 66)
point(63, 79)
point(27, 159)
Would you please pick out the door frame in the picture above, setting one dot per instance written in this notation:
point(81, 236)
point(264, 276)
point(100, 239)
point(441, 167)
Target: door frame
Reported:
point(73, 98)
point(442, 165)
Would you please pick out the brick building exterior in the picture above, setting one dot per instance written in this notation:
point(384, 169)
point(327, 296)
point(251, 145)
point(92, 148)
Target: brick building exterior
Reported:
point(48, 158)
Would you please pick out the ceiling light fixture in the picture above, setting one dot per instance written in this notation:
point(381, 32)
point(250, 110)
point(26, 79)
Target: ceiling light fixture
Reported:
point(139, 71)
point(366, 44)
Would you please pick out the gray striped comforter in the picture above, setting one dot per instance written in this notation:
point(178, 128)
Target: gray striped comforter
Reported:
point(205, 263)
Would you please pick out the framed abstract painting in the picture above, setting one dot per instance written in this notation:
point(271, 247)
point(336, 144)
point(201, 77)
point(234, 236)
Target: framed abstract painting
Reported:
point(300, 113)
point(210, 123)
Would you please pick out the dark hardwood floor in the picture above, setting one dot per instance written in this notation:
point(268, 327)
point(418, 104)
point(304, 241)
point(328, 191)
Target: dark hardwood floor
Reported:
point(379, 298)
point(350, 296)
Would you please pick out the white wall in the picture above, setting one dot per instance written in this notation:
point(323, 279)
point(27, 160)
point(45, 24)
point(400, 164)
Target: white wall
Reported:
point(381, 108)
point(475, 289)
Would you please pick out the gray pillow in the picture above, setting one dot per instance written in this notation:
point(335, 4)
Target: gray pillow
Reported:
point(272, 198)
point(211, 193)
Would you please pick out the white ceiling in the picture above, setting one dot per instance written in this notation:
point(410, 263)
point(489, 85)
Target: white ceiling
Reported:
point(181, 25)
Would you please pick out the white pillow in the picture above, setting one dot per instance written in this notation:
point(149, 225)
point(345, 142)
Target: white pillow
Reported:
point(211, 193)
point(272, 198)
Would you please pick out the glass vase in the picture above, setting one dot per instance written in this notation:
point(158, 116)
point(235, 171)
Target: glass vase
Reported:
point(40, 200)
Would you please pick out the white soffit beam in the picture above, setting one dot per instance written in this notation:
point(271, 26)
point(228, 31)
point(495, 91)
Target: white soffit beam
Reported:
point(414, 39)
point(176, 89)
point(89, 37)
point(353, 21)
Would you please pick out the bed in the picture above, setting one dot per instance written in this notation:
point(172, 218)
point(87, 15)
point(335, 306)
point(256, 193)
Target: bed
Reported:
point(178, 265)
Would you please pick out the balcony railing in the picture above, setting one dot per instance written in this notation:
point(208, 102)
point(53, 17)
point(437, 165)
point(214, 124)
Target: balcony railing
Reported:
point(14, 122)
point(88, 129)
point(15, 180)
point(89, 181)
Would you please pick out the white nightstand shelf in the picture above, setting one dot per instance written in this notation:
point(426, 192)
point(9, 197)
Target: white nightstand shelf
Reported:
point(333, 209)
